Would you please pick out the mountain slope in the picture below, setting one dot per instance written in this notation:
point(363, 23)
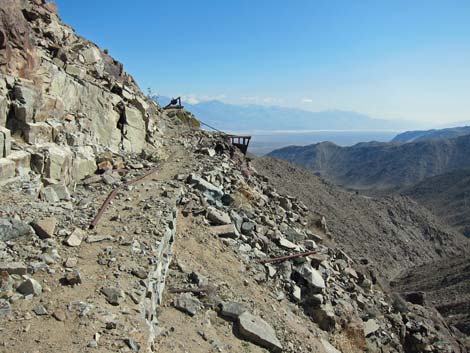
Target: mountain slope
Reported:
point(447, 196)
point(446, 285)
point(393, 233)
point(440, 134)
point(380, 166)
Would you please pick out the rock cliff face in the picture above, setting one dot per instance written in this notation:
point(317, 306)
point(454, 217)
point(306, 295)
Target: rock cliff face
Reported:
point(63, 101)
point(380, 166)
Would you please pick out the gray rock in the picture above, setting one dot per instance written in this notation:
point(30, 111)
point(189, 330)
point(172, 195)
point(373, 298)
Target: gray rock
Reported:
point(370, 326)
point(5, 307)
point(294, 235)
point(258, 331)
point(7, 169)
point(113, 295)
point(325, 317)
point(312, 276)
point(310, 244)
point(45, 227)
point(227, 200)
point(12, 229)
point(61, 191)
point(208, 151)
point(48, 194)
point(40, 310)
point(5, 142)
point(187, 303)
point(14, 268)
point(75, 239)
point(286, 244)
point(237, 220)
point(74, 70)
point(217, 217)
point(73, 278)
point(108, 179)
point(198, 279)
point(296, 293)
point(232, 309)
point(225, 231)
point(285, 203)
point(30, 287)
point(209, 190)
point(71, 262)
point(248, 228)
point(179, 177)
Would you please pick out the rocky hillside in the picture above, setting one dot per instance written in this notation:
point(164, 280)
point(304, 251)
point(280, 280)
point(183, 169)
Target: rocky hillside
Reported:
point(435, 134)
point(445, 285)
point(447, 196)
point(380, 166)
point(124, 228)
point(202, 255)
point(390, 234)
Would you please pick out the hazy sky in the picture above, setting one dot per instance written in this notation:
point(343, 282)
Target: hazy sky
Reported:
point(386, 58)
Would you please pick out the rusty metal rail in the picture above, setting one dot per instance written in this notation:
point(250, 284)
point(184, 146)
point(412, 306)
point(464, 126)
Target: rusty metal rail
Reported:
point(288, 257)
point(113, 194)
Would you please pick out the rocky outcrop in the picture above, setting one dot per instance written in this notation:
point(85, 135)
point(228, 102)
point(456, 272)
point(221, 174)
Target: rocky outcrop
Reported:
point(63, 100)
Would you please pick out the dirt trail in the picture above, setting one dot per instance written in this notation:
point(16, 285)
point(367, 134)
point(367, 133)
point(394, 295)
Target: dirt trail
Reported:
point(104, 263)
point(196, 249)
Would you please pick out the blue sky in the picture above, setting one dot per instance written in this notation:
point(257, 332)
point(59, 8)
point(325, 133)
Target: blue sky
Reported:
point(386, 58)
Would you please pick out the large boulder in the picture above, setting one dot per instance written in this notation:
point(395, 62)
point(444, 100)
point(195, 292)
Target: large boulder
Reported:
point(209, 190)
point(84, 163)
point(311, 276)
point(57, 162)
point(258, 331)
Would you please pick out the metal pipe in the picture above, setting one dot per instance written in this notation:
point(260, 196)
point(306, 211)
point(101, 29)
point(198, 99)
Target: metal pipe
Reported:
point(113, 194)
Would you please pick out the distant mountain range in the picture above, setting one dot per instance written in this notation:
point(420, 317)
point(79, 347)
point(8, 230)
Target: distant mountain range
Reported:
point(380, 166)
point(440, 134)
point(231, 117)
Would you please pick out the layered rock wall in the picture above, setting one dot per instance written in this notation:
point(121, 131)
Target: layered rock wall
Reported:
point(63, 99)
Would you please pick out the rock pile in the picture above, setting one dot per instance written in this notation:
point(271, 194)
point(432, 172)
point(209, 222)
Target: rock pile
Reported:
point(260, 225)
